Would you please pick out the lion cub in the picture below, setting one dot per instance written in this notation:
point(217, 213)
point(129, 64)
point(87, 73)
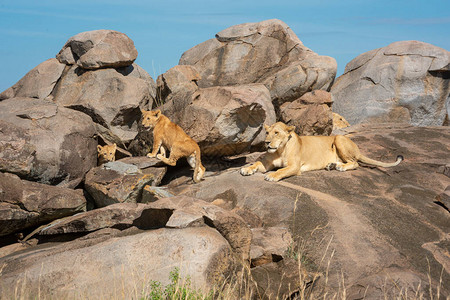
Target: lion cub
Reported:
point(167, 134)
point(293, 154)
point(106, 153)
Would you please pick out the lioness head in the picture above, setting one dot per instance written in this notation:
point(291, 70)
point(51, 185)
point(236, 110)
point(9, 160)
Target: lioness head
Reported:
point(277, 136)
point(106, 153)
point(150, 118)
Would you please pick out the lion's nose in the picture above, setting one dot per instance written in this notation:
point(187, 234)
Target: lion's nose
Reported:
point(267, 143)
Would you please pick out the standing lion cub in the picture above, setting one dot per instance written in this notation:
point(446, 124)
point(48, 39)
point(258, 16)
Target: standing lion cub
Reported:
point(295, 154)
point(167, 134)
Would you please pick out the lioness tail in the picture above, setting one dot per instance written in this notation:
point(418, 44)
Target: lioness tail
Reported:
point(370, 161)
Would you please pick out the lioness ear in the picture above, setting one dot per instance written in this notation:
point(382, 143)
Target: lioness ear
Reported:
point(266, 127)
point(99, 148)
point(290, 128)
point(143, 111)
point(115, 146)
point(157, 113)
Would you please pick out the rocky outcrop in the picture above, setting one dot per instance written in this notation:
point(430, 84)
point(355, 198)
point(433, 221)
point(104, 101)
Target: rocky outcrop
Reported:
point(41, 141)
point(210, 242)
point(24, 204)
point(267, 52)
point(98, 49)
point(123, 180)
point(329, 212)
point(404, 82)
point(95, 74)
point(310, 114)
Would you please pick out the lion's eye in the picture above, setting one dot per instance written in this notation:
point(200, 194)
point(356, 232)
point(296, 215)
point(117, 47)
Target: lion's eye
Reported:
point(276, 132)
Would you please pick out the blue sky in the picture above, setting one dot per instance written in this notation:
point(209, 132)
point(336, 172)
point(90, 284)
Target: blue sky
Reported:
point(32, 31)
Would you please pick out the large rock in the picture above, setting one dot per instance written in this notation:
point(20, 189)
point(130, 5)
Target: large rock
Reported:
point(267, 52)
point(98, 49)
point(111, 97)
point(370, 224)
point(43, 142)
point(404, 82)
point(224, 120)
point(24, 204)
point(95, 74)
point(104, 267)
point(38, 83)
point(123, 180)
point(310, 114)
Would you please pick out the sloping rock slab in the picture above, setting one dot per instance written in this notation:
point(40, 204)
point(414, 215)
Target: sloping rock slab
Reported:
point(24, 204)
point(118, 181)
point(404, 82)
point(43, 142)
point(103, 268)
point(362, 221)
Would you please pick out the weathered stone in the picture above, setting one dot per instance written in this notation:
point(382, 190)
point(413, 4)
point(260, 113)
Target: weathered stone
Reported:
point(124, 265)
point(267, 52)
point(232, 118)
point(38, 83)
point(188, 212)
point(43, 142)
point(282, 280)
point(404, 82)
point(119, 182)
point(119, 216)
point(112, 98)
point(98, 49)
point(270, 245)
point(178, 82)
point(310, 114)
point(24, 204)
point(308, 119)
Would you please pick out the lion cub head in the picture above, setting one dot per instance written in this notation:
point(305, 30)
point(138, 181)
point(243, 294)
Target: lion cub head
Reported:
point(150, 118)
point(277, 136)
point(106, 153)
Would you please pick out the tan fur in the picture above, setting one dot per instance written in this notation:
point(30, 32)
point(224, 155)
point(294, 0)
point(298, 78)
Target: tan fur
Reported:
point(106, 153)
point(295, 154)
point(170, 136)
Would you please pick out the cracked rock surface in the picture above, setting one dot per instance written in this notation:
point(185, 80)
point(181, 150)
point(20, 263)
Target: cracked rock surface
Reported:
point(404, 82)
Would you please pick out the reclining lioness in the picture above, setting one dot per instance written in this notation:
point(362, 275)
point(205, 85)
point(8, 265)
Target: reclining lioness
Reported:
point(167, 134)
point(295, 154)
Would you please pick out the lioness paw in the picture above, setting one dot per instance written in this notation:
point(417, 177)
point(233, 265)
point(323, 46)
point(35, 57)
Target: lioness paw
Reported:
point(160, 157)
point(247, 171)
point(151, 155)
point(271, 177)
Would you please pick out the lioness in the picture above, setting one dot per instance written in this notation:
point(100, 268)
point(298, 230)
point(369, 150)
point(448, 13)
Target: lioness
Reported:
point(296, 154)
point(106, 153)
point(167, 134)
